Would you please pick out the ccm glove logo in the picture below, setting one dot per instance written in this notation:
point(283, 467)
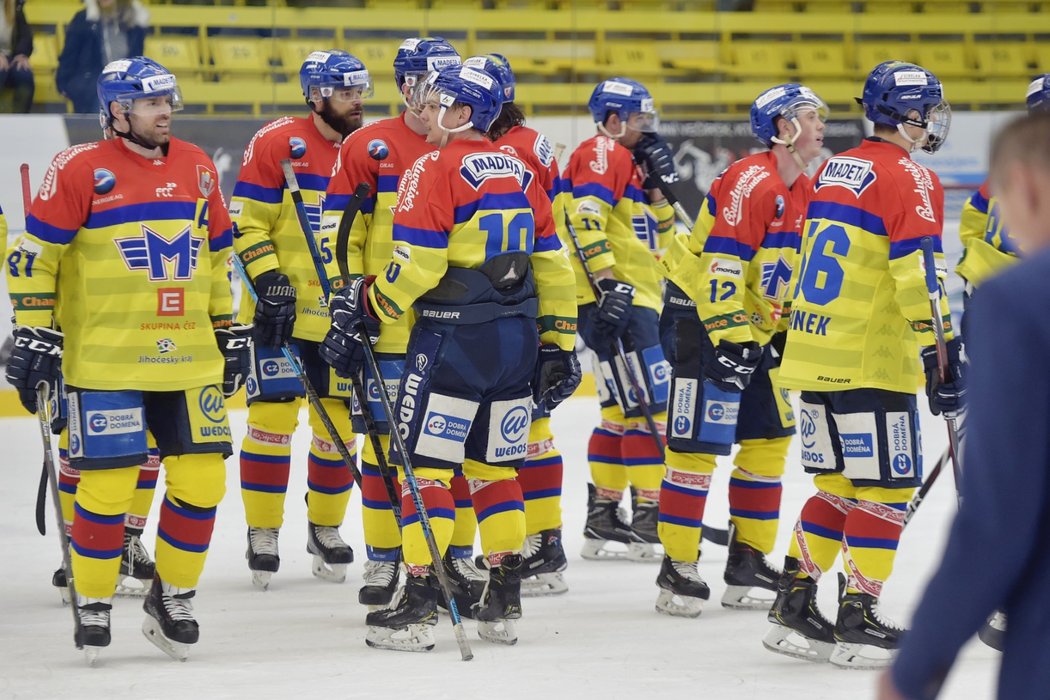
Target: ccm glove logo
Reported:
point(40, 347)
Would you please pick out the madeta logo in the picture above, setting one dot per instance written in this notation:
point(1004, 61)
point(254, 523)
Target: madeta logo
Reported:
point(164, 259)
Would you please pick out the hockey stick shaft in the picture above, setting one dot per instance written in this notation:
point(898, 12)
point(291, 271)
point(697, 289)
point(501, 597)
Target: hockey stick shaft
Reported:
point(921, 494)
point(934, 289)
point(311, 393)
point(683, 215)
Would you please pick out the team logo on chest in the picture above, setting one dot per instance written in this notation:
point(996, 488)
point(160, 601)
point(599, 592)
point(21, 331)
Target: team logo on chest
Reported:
point(164, 259)
point(105, 181)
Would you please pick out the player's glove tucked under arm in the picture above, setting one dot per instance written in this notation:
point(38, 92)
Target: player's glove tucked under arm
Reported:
point(353, 325)
point(36, 358)
point(275, 311)
point(557, 375)
point(733, 365)
point(236, 346)
point(655, 154)
point(948, 397)
point(613, 311)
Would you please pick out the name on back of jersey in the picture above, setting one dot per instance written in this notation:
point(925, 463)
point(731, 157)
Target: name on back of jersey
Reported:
point(855, 174)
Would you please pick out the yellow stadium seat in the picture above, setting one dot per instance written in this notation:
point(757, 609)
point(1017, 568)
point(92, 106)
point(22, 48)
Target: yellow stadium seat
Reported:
point(944, 59)
point(946, 7)
point(774, 6)
point(827, 6)
point(293, 52)
point(525, 55)
point(821, 60)
point(871, 54)
point(889, 6)
point(179, 54)
point(699, 56)
point(241, 56)
point(1042, 58)
point(633, 59)
point(45, 54)
point(579, 56)
point(760, 59)
point(376, 55)
point(1002, 60)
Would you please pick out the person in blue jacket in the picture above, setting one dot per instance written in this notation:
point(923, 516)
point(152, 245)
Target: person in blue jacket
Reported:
point(996, 557)
point(16, 46)
point(104, 31)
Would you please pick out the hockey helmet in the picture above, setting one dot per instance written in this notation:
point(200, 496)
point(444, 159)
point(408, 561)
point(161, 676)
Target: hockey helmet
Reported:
point(332, 69)
point(459, 84)
point(624, 97)
point(418, 56)
point(783, 101)
point(497, 66)
point(131, 79)
point(894, 89)
point(1037, 97)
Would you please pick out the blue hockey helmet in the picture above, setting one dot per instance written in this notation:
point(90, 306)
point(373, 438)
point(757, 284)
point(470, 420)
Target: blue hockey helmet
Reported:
point(458, 84)
point(131, 79)
point(1037, 97)
point(783, 101)
point(332, 69)
point(894, 89)
point(624, 97)
point(418, 56)
point(498, 67)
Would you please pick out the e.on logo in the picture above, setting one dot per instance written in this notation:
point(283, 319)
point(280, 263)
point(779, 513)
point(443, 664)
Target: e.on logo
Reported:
point(171, 301)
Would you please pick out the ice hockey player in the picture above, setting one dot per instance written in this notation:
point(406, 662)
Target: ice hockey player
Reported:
point(270, 241)
point(541, 475)
point(378, 155)
point(860, 338)
point(622, 220)
point(726, 292)
point(143, 238)
point(477, 255)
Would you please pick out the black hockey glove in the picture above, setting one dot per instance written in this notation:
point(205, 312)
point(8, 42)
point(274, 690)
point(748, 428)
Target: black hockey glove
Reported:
point(275, 310)
point(236, 346)
point(655, 154)
point(35, 359)
point(557, 375)
point(353, 325)
point(733, 365)
point(613, 312)
point(949, 397)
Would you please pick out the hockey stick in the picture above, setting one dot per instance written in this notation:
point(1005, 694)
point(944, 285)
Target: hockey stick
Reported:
point(921, 494)
point(683, 215)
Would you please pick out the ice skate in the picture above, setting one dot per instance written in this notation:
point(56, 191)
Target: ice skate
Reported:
point(409, 625)
point(799, 629)
point(682, 591)
point(500, 602)
point(748, 573)
point(136, 567)
point(605, 525)
point(58, 580)
point(644, 537)
point(544, 560)
point(169, 623)
point(865, 639)
point(466, 582)
point(263, 558)
point(380, 582)
point(331, 553)
point(992, 631)
point(93, 632)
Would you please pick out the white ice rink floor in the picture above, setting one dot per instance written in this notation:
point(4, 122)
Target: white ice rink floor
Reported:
point(305, 637)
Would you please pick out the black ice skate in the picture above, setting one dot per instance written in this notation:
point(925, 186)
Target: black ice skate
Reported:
point(866, 640)
point(644, 536)
point(58, 580)
point(466, 582)
point(169, 623)
point(605, 524)
point(380, 582)
point(331, 553)
point(682, 591)
point(262, 555)
point(799, 629)
point(993, 630)
point(747, 572)
point(409, 625)
point(544, 560)
point(500, 602)
point(93, 632)
point(136, 567)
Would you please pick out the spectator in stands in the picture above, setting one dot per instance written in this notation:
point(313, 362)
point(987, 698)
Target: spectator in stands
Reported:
point(104, 31)
point(16, 45)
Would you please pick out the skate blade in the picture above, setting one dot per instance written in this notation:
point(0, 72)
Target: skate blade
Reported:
point(675, 605)
point(261, 579)
point(152, 631)
point(786, 641)
point(742, 598)
point(131, 587)
point(333, 573)
point(498, 632)
point(993, 631)
point(415, 638)
point(64, 592)
point(596, 550)
point(543, 585)
point(644, 553)
point(860, 657)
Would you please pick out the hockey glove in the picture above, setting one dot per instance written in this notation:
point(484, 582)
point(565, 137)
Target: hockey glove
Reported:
point(353, 325)
point(236, 346)
point(613, 312)
point(557, 376)
point(733, 365)
point(654, 153)
point(275, 310)
point(949, 397)
point(35, 359)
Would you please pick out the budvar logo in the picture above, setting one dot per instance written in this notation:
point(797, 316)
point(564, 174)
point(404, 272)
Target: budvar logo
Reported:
point(50, 184)
point(98, 423)
point(514, 424)
point(162, 258)
point(745, 185)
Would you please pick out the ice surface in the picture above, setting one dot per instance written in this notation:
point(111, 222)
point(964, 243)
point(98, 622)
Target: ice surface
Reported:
point(306, 637)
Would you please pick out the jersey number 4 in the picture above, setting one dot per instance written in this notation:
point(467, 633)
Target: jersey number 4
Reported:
point(821, 277)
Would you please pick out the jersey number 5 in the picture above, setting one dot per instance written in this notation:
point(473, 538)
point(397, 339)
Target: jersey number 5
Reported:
point(821, 276)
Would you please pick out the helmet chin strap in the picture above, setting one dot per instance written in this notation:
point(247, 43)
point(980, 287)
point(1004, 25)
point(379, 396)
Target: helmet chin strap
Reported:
point(915, 143)
point(789, 143)
point(130, 135)
point(623, 130)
